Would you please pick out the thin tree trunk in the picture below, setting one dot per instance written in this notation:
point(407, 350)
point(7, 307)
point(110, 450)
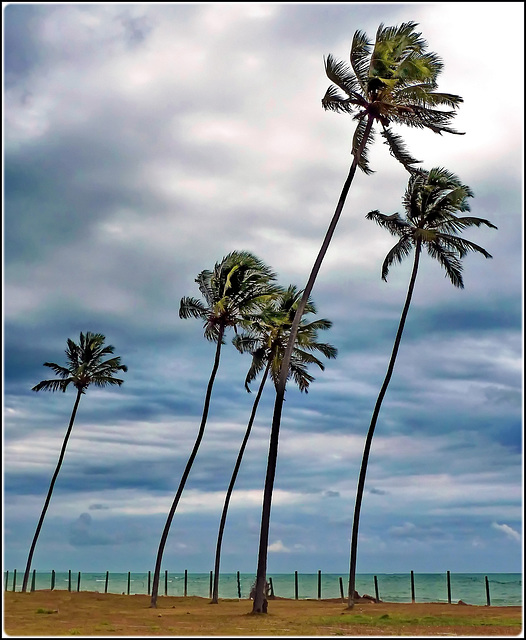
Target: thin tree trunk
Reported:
point(215, 590)
point(260, 601)
point(50, 491)
point(370, 433)
point(164, 536)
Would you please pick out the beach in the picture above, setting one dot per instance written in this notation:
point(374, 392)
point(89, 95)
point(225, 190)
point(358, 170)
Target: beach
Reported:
point(59, 613)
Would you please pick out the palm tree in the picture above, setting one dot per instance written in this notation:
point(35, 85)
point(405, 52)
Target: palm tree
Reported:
point(266, 341)
point(393, 82)
point(233, 292)
point(85, 366)
point(432, 201)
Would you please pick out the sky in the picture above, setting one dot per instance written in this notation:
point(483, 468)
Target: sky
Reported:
point(142, 144)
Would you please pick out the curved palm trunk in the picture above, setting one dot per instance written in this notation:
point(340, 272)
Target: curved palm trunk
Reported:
point(260, 601)
point(368, 441)
point(215, 590)
point(164, 536)
point(50, 491)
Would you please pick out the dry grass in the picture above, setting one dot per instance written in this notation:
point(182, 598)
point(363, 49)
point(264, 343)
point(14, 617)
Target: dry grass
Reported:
point(63, 613)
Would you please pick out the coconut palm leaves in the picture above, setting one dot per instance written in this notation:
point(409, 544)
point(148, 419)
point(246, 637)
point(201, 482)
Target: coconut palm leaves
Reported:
point(268, 337)
point(394, 81)
point(85, 366)
point(239, 285)
point(432, 201)
point(232, 293)
point(266, 341)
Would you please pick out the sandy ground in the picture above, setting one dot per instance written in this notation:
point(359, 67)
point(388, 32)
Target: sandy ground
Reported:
point(59, 613)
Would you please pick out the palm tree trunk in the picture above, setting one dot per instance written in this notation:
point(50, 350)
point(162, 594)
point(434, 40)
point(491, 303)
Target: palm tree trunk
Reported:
point(50, 491)
point(368, 441)
point(162, 543)
point(260, 601)
point(215, 590)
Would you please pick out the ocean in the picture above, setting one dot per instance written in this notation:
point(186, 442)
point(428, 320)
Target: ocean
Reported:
point(505, 589)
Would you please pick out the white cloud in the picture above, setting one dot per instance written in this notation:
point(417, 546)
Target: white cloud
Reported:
point(507, 531)
point(278, 547)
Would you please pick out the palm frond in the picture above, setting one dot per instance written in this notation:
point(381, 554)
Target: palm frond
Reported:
point(358, 137)
point(461, 245)
point(299, 373)
point(397, 254)
point(393, 223)
point(449, 261)
point(192, 308)
point(64, 372)
point(103, 381)
point(333, 101)
point(422, 95)
point(398, 149)
point(53, 385)
point(343, 77)
point(419, 117)
point(454, 224)
point(359, 57)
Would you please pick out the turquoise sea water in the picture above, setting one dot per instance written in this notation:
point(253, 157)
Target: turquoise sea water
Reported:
point(505, 588)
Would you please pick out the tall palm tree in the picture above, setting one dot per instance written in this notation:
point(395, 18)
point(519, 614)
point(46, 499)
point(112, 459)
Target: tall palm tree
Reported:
point(392, 82)
point(85, 366)
point(233, 292)
point(432, 202)
point(266, 341)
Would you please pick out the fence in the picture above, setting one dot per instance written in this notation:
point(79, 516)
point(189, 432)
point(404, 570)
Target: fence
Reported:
point(164, 582)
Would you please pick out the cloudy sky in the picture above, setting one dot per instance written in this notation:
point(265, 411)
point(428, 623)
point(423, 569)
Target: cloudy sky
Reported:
point(144, 142)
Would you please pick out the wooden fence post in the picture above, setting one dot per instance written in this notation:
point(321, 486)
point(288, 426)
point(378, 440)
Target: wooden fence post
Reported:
point(149, 581)
point(6, 580)
point(341, 589)
point(185, 582)
point(448, 588)
point(412, 587)
point(211, 582)
point(166, 582)
point(295, 585)
point(488, 601)
point(78, 583)
point(69, 579)
point(33, 580)
point(377, 597)
point(14, 579)
point(52, 579)
point(319, 584)
point(106, 582)
point(238, 586)
point(128, 589)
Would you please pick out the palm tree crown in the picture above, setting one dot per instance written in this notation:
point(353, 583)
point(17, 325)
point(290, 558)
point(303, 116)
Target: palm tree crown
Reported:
point(269, 334)
point(85, 366)
point(238, 286)
point(393, 82)
point(432, 201)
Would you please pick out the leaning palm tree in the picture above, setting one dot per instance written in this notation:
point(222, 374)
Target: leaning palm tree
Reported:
point(393, 81)
point(233, 292)
point(85, 366)
point(432, 202)
point(266, 341)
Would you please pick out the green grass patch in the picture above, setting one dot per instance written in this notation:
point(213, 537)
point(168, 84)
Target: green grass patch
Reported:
point(395, 621)
point(40, 610)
